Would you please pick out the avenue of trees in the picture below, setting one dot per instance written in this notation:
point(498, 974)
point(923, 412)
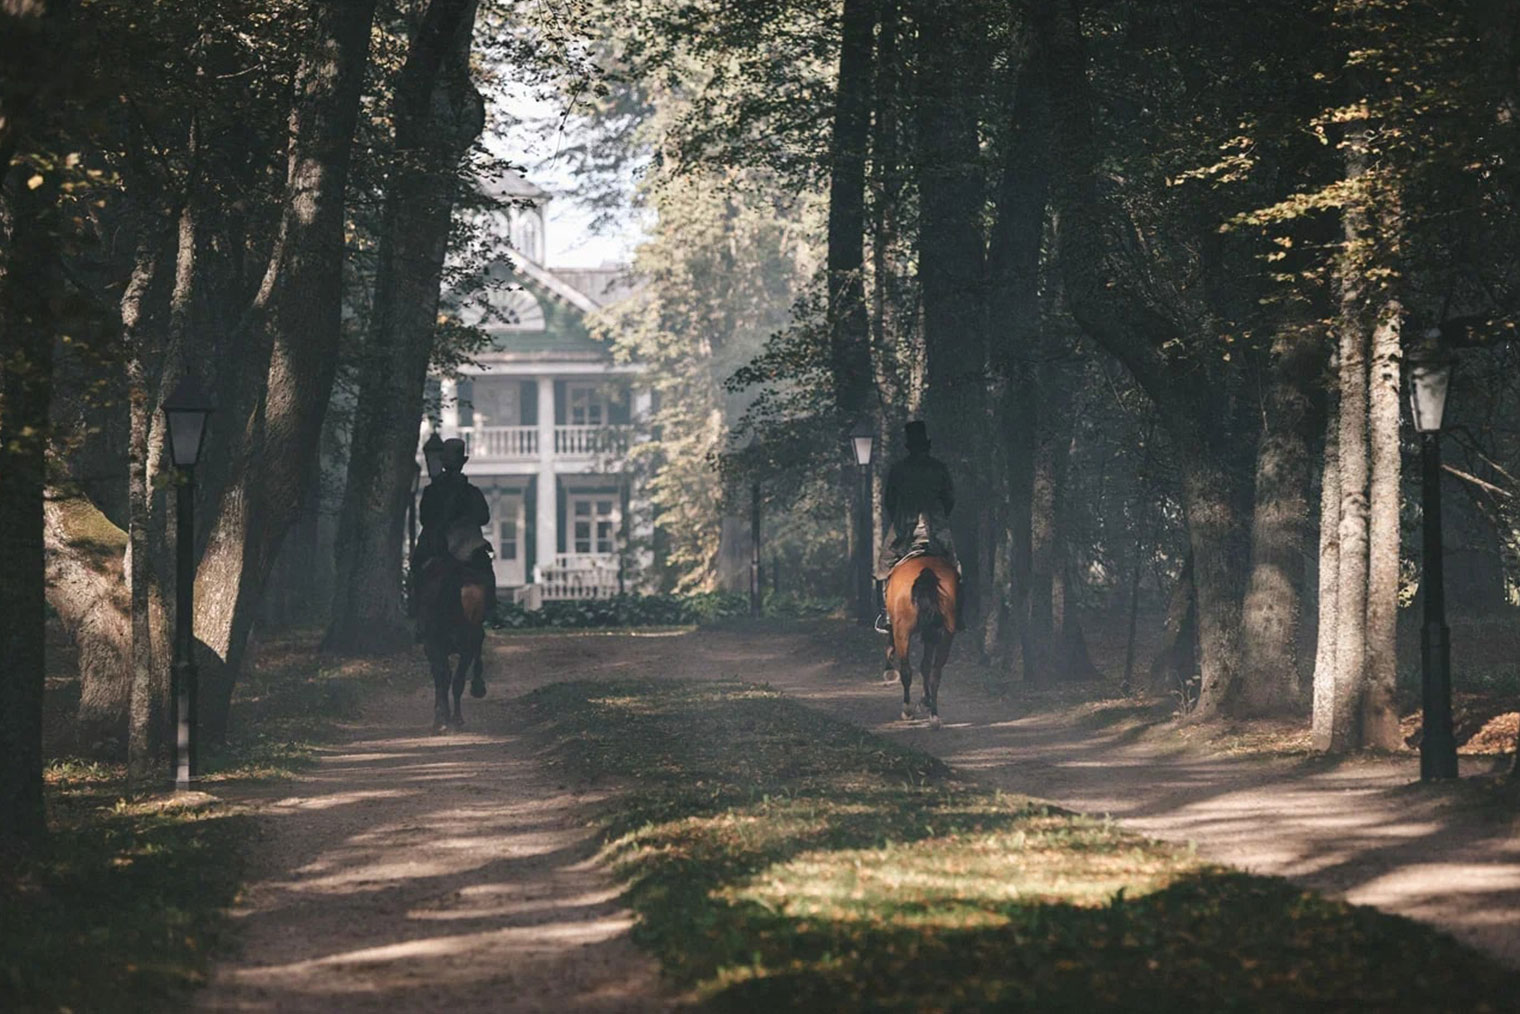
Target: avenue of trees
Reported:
point(1150, 271)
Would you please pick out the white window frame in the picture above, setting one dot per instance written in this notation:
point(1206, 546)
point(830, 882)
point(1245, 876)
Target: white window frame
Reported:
point(610, 520)
point(592, 402)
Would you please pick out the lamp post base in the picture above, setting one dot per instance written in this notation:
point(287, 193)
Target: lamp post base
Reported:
point(1438, 744)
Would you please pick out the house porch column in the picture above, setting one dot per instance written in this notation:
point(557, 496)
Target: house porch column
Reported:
point(546, 522)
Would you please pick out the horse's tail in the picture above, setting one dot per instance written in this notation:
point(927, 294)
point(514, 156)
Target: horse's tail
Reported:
point(925, 594)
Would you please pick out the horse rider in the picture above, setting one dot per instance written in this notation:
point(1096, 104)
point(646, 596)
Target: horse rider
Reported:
point(453, 512)
point(918, 500)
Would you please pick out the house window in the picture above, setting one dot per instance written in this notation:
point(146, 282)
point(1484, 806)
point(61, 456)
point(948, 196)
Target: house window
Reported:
point(588, 406)
point(506, 541)
point(594, 523)
point(496, 403)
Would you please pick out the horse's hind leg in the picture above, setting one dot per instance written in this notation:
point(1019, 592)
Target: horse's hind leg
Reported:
point(934, 668)
point(466, 659)
point(438, 661)
point(889, 667)
point(904, 669)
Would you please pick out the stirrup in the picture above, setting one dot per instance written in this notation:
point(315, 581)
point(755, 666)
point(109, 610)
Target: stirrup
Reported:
point(883, 625)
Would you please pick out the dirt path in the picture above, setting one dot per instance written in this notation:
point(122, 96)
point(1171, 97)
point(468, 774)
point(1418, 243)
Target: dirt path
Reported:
point(1363, 829)
point(412, 872)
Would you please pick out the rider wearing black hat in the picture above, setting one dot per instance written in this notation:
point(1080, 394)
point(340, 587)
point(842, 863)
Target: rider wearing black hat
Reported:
point(918, 500)
point(452, 513)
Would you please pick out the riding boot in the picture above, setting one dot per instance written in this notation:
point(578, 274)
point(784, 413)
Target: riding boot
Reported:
point(883, 621)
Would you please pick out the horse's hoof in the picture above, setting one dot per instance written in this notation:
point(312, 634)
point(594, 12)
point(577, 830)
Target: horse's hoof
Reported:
point(888, 677)
point(907, 716)
point(477, 687)
point(440, 728)
point(934, 722)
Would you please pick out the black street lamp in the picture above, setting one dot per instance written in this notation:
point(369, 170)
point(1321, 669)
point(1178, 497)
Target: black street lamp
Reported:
point(862, 443)
point(186, 411)
point(1429, 378)
point(432, 454)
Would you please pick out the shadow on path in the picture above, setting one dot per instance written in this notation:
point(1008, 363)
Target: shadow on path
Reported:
point(413, 872)
point(1362, 829)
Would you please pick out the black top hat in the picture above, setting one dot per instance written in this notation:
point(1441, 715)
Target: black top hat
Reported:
point(454, 455)
point(917, 435)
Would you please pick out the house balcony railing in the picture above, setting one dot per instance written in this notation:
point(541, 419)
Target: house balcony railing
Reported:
point(579, 576)
point(520, 443)
point(590, 441)
point(501, 443)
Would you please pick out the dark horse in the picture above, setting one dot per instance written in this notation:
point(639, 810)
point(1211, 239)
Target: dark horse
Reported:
point(453, 610)
point(921, 596)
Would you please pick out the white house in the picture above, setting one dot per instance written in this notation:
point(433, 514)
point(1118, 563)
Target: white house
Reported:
point(548, 418)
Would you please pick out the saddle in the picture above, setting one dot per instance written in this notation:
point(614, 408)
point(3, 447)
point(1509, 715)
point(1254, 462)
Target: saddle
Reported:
point(464, 542)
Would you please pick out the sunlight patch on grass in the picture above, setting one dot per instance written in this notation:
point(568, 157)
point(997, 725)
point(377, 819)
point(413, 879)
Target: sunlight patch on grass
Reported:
point(779, 859)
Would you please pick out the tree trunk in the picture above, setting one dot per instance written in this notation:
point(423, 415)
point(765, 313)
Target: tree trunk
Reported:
point(86, 554)
point(1351, 602)
point(1280, 526)
point(296, 318)
point(849, 326)
point(28, 222)
point(1052, 452)
point(1380, 717)
point(951, 265)
point(1128, 325)
point(1329, 581)
point(1216, 535)
point(1013, 303)
point(438, 116)
point(149, 684)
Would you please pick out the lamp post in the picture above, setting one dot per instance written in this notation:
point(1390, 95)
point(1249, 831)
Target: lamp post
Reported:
point(862, 443)
point(1429, 378)
point(432, 454)
point(186, 411)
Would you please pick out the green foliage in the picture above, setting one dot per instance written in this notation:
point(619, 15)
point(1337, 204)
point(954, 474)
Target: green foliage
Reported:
point(654, 611)
point(778, 858)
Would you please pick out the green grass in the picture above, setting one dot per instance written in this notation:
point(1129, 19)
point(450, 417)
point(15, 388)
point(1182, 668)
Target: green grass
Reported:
point(778, 859)
point(124, 908)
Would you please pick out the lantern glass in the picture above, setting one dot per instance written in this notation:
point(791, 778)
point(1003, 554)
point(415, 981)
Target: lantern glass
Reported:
point(186, 411)
point(1429, 380)
point(186, 431)
point(863, 441)
point(863, 446)
point(432, 454)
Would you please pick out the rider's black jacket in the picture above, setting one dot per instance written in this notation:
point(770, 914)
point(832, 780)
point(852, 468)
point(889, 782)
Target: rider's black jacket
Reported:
point(917, 484)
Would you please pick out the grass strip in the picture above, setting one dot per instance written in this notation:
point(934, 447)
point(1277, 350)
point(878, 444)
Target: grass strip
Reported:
point(779, 859)
point(125, 906)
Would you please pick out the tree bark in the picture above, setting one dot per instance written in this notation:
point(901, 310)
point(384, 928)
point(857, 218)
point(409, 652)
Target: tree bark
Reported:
point(849, 325)
point(1013, 303)
point(1323, 712)
point(1051, 453)
point(27, 286)
point(1280, 525)
point(149, 685)
point(1351, 602)
point(438, 115)
point(951, 265)
point(1380, 717)
point(296, 319)
point(86, 555)
point(1129, 327)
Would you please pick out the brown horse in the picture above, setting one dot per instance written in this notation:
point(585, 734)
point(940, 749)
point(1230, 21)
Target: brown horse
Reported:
point(453, 609)
point(922, 598)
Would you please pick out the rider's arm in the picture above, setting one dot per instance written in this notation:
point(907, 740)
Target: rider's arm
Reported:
point(946, 489)
point(480, 513)
point(428, 510)
point(890, 494)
